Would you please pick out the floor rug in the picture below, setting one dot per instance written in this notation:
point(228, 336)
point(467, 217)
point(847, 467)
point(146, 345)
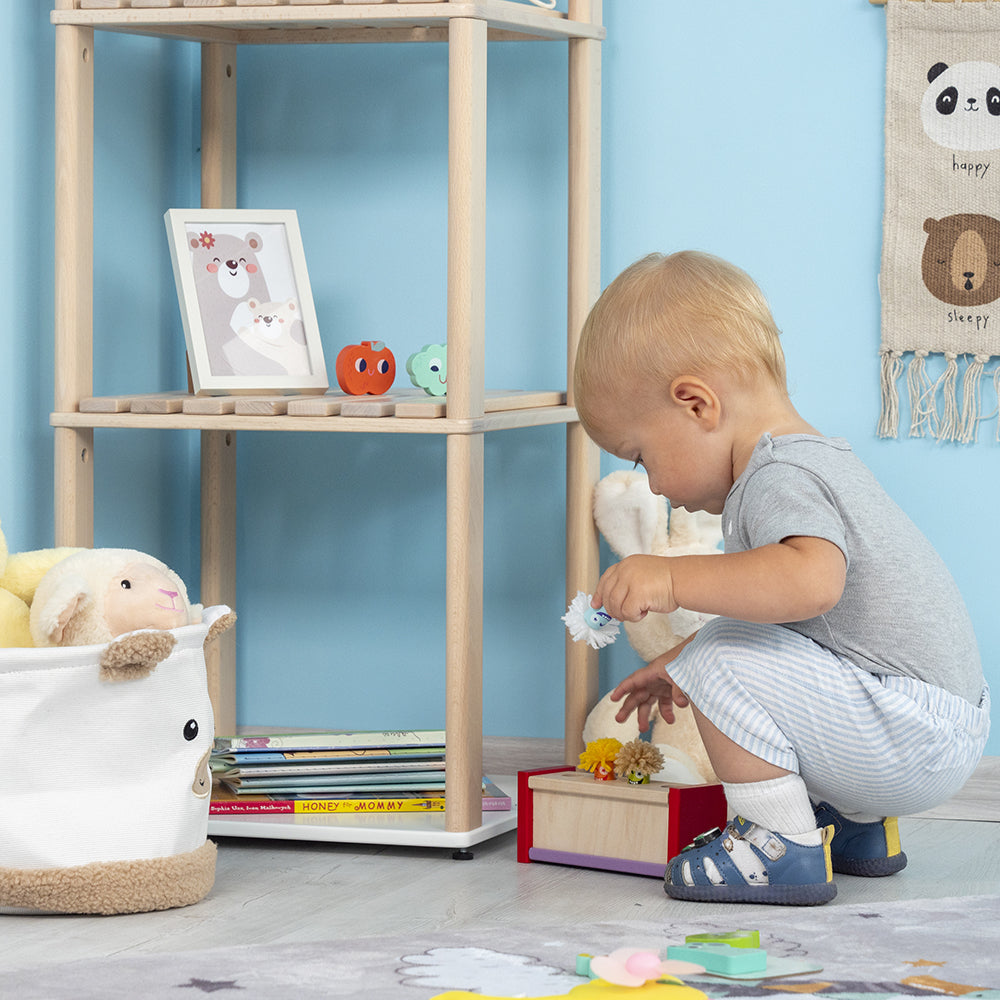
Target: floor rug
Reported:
point(945, 947)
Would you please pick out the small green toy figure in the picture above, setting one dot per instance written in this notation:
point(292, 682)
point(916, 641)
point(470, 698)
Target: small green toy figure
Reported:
point(428, 369)
point(638, 761)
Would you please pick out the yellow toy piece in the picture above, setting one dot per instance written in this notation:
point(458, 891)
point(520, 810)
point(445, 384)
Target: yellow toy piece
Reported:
point(13, 621)
point(599, 758)
point(19, 576)
point(599, 989)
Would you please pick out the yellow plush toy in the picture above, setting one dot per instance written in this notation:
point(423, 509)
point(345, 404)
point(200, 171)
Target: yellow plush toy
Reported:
point(19, 576)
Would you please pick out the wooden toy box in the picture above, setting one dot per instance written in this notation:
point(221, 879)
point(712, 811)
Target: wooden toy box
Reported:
point(565, 816)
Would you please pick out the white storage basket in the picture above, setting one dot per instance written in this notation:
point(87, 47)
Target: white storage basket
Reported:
point(104, 778)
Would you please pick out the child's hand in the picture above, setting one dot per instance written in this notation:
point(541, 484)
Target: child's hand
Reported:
point(630, 589)
point(650, 684)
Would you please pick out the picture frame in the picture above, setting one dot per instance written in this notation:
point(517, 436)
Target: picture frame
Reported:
point(245, 300)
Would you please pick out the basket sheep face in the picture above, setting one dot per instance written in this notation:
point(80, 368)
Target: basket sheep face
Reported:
point(106, 786)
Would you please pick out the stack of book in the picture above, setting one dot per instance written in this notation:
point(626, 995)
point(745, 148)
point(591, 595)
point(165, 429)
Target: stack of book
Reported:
point(334, 772)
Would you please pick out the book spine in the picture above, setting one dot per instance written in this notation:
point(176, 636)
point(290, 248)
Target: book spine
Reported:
point(334, 741)
point(314, 807)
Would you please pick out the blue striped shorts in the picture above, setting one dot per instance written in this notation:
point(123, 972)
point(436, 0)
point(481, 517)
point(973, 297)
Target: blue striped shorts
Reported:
point(888, 746)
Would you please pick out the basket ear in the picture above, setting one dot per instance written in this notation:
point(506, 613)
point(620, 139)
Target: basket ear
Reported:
point(225, 621)
point(134, 656)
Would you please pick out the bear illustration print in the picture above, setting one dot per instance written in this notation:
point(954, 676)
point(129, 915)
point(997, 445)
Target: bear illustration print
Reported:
point(227, 274)
point(276, 333)
point(961, 259)
point(960, 108)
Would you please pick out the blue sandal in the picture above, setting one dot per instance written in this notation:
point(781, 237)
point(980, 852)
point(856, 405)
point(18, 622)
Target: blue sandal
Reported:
point(747, 864)
point(869, 849)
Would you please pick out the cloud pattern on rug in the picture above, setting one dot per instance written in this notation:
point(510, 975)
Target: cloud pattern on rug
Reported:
point(481, 969)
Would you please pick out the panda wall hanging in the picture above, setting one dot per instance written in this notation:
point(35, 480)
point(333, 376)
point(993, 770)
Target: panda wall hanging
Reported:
point(940, 277)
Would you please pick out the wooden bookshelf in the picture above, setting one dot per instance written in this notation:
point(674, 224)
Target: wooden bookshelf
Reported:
point(466, 28)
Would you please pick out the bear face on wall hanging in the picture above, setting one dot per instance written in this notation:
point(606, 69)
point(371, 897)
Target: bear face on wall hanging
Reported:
point(961, 259)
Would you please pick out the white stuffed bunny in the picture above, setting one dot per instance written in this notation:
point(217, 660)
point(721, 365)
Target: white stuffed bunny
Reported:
point(634, 520)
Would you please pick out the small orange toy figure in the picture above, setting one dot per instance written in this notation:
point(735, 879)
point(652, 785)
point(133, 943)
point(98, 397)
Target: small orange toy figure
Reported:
point(599, 758)
point(368, 368)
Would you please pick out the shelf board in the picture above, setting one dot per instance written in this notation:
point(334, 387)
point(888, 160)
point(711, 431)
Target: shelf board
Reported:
point(407, 829)
point(330, 22)
point(404, 411)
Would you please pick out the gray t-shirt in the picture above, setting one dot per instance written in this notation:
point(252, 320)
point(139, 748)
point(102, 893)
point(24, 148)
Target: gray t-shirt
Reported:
point(901, 612)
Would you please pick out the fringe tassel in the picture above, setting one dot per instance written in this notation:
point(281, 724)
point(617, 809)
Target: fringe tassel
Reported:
point(935, 407)
point(972, 398)
point(923, 415)
point(996, 391)
point(947, 384)
point(892, 368)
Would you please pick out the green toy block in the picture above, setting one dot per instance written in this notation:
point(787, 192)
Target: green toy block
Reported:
point(583, 965)
point(721, 958)
point(735, 939)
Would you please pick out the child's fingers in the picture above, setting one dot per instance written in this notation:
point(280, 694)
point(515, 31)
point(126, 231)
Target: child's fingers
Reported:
point(643, 717)
point(666, 703)
point(680, 699)
point(623, 689)
point(637, 699)
point(631, 703)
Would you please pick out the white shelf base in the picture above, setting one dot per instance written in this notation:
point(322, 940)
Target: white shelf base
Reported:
point(403, 829)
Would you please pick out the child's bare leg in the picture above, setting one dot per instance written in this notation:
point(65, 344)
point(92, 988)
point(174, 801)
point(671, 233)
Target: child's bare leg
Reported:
point(732, 763)
point(764, 793)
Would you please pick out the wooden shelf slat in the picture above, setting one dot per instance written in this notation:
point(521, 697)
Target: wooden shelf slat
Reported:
point(404, 403)
point(315, 413)
point(413, 20)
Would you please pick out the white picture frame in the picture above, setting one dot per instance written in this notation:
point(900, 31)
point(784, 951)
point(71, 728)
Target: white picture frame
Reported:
point(245, 301)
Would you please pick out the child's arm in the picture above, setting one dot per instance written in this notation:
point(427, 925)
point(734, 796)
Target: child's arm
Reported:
point(797, 578)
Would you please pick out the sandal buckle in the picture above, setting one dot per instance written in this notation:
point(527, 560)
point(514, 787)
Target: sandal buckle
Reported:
point(704, 838)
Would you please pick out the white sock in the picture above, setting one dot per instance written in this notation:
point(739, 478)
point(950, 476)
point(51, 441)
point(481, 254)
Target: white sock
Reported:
point(780, 805)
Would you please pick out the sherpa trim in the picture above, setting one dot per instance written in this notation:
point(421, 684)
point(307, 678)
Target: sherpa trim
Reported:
point(135, 655)
point(111, 886)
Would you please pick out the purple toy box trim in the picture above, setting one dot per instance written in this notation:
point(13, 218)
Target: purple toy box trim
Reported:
point(650, 868)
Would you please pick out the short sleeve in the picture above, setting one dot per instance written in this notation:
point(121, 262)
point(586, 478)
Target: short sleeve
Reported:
point(781, 500)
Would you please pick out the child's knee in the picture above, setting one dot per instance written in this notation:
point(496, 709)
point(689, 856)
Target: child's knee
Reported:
point(726, 639)
point(729, 661)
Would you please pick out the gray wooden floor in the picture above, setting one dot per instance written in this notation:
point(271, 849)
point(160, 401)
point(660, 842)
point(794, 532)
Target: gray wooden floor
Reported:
point(285, 891)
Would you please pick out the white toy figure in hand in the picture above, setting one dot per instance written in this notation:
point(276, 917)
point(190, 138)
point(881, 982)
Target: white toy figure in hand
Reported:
point(594, 626)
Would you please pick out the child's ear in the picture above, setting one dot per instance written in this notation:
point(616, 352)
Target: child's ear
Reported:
point(698, 400)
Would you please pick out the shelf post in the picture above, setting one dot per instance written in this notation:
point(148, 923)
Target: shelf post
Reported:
point(74, 303)
point(584, 285)
point(218, 448)
point(218, 567)
point(466, 393)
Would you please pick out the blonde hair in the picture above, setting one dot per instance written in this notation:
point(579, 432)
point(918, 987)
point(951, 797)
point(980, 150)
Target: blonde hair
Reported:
point(688, 313)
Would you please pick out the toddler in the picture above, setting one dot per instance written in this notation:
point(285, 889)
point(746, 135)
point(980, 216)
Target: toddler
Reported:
point(840, 685)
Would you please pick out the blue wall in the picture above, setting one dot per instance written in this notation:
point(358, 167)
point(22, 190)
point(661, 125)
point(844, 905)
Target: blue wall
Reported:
point(750, 130)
